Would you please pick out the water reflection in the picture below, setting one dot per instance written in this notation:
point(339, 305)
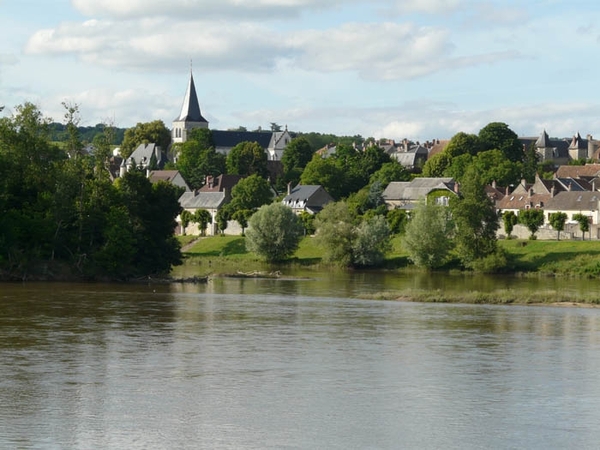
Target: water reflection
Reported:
point(245, 363)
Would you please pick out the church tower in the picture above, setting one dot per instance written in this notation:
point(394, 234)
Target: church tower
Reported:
point(190, 116)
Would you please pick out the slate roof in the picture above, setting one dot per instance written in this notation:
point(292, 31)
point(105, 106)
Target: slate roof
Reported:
point(143, 154)
point(301, 192)
point(417, 188)
point(229, 139)
point(221, 183)
point(521, 201)
point(202, 200)
point(190, 110)
point(574, 201)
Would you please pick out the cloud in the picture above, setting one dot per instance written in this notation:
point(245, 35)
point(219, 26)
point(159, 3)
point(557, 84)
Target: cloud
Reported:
point(426, 6)
point(266, 9)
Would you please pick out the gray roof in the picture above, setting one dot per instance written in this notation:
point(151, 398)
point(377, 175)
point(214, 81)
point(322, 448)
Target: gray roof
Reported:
point(417, 188)
point(229, 139)
point(143, 154)
point(202, 200)
point(573, 201)
point(301, 192)
point(190, 110)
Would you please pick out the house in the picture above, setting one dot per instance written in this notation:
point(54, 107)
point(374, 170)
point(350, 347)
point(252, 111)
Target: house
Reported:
point(170, 176)
point(527, 195)
point(407, 194)
point(307, 198)
point(412, 158)
point(588, 171)
point(144, 156)
point(574, 202)
point(210, 201)
point(548, 149)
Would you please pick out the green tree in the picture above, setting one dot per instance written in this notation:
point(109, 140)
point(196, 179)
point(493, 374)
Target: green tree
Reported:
point(475, 219)
point(202, 217)
point(427, 238)
point(531, 160)
point(222, 217)
point(297, 154)
point(557, 221)
point(145, 133)
point(459, 166)
point(463, 144)
point(324, 172)
point(510, 219)
point(242, 216)
point(274, 232)
point(493, 165)
point(336, 233)
point(533, 219)
point(436, 165)
point(308, 222)
point(371, 243)
point(250, 193)
point(498, 136)
point(72, 119)
point(584, 223)
point(195, 162)
point(397, 219)
point(247, 158)
point(186, 218)
point(388, 172)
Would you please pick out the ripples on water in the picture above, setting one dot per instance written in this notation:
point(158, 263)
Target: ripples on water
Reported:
point(235, 367)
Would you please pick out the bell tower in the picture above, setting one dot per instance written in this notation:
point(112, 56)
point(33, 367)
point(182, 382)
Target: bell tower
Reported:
point(190, 116)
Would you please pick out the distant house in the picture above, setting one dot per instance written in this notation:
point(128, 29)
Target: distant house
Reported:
point(170, 176)
point(407, 194)
point(588, 171)
point(143, 156)
point(414, 157)
point(307, 198)
point(210, 201)
point(527, 195)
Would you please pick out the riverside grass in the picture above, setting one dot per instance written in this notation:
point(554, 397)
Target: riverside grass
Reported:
point(537, 258)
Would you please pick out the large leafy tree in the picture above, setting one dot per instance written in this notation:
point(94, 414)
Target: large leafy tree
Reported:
point(145, 133)
point(436, 165)
point(428, 235)
point(195, 162)
point(250, 193)
point(498, 136)
point(510, 219)
point(493, 165)
point(463, 144)
point(297, 154)
point(584, 223)
point(372, 242)
point(533, 219)
point(388, 172)
point(327, 173)
point(247, 158)
point(558, 220)
point(336, 232)
point(475, 219)
point(274, 232)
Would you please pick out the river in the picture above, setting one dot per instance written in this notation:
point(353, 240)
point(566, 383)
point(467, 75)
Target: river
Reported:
point(291, 364)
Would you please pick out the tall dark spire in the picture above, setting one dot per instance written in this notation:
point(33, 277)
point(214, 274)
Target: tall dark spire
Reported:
point(190, 110)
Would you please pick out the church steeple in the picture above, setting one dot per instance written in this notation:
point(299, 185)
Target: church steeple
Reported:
point(190, 116)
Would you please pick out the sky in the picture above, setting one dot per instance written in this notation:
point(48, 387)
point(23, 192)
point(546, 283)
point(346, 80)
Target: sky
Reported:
point(416, 69)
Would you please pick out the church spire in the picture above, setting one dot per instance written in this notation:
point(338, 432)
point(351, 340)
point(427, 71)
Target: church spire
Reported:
point(190, 110)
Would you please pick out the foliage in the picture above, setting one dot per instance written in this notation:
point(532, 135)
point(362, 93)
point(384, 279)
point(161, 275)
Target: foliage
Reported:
point(584, 223)
point(475, 219)
point(202, 217)
point(530, 163)
point(533, 219)
point(498, 136)
point(250, 193)
point(493, 165)
point(510, 219)
point(186, 217)
point(371, 243)
point(195, 161)
point(308, 222)
point(242, 216)
point(428, 235)
point(222, 217)
point(336, 232)
point(274, 232)
point(495, 262)
point(557, 221)
point(297, 154)
point(397, 219)
point(57, 132)
point(74, 145)
point(324, 172)
point(463, 144)
point(145, 133)
point(388, 172)
point(436, 165)
point(247, 158)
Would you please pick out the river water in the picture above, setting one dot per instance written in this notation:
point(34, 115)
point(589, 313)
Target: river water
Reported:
point(290, 364)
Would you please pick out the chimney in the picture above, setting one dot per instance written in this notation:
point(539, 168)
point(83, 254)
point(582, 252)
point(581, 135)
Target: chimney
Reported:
point(494, 184)
point(552, 190)
point(569, 186)
point(289, 188)
point(523, 182)
point(209, 181)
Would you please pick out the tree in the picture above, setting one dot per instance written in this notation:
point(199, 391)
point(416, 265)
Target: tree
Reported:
point(72, 119)
point(397, 219)
point(498, 136)
point(510, 219)
point(530, 163)
point(195, 162)
point(336, 232)
point(475, 219)
point(186, 217)
point(557, 221)
point(493, 165)
point(324, 171)
point(427, 238)
point(584, 223)
point(242, 216)
point(223, 216)
point(371, 243)
point(436, 165)
point(247, 158)
point(533, 219)
point(274, 232)
point(388, 172)
point(202, 217)
point(463, 144)
point(145, 133)
point(250, 193)
point(297, 154)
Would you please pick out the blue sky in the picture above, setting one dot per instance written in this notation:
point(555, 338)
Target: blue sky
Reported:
point(417, 69)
